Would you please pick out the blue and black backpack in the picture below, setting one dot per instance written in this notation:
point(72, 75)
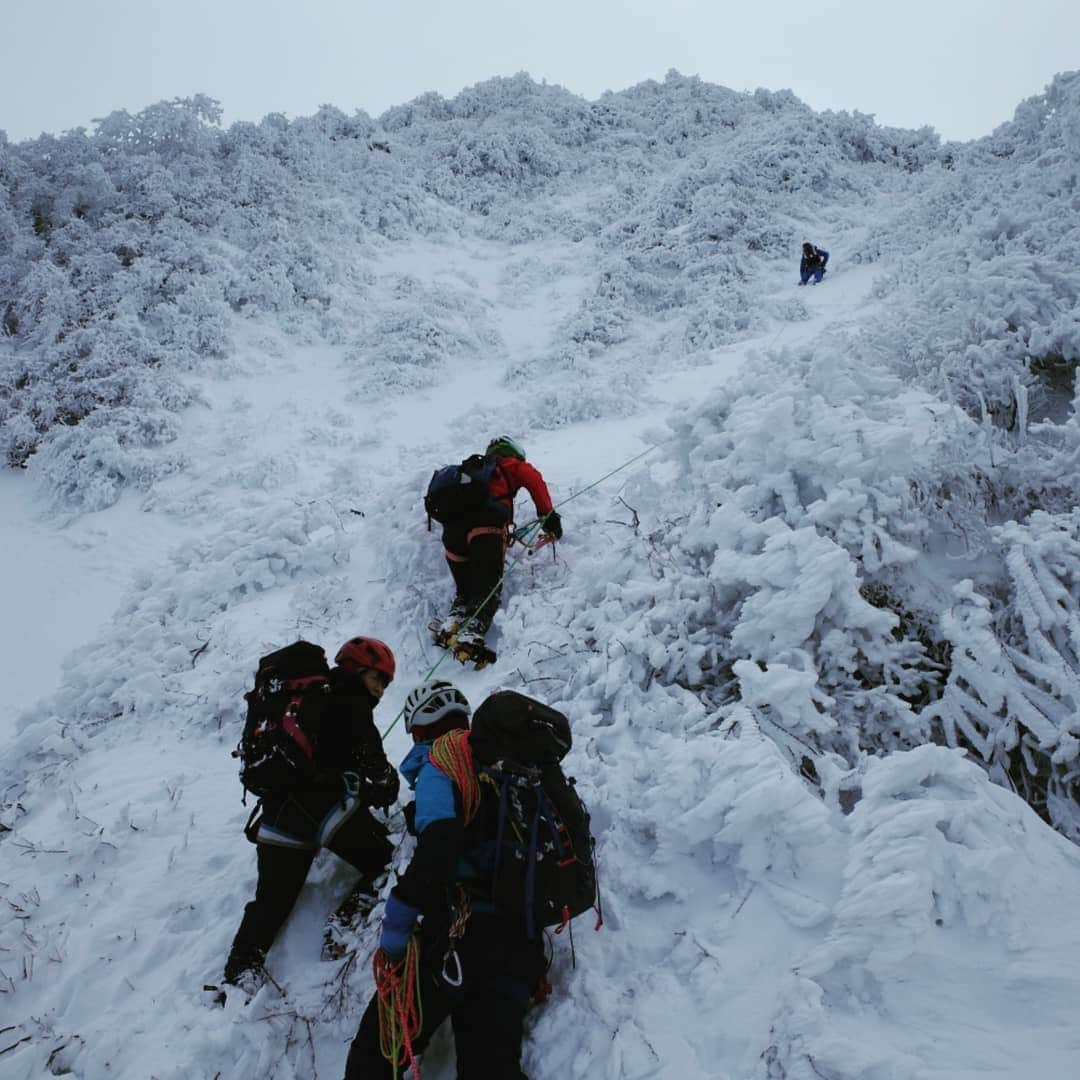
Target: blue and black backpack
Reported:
point(543, 863)
point(456, 491)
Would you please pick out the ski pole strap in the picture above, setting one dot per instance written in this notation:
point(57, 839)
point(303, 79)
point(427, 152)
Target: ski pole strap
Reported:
point(351, 781)
point(397, 983)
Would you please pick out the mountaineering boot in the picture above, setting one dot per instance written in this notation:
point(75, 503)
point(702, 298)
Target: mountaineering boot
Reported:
point(243, 960)
point(444, 631)
point(244, 971)
point(351, 912)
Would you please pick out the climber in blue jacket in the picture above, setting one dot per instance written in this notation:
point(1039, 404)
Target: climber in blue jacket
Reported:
point(812, 263)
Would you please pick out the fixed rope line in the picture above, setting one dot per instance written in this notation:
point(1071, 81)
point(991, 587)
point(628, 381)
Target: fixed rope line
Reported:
point(525, 550)
point(588, 487)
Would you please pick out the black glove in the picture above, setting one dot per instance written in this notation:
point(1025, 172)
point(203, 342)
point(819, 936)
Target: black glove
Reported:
point(553, 525)
point(381, 789)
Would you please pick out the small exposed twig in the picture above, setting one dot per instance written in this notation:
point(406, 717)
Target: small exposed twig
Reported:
point(290, 1014)
point(30, 848)
point(25, 1038)
point(277, 986)
point(742, 902)
point(637, 520)
point(337, 998)
point(199, 651)
point(545, 645)
point(311, 1047)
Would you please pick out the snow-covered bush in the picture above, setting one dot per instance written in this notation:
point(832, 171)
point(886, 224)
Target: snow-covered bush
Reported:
point(130, 252)
point(1013, 695)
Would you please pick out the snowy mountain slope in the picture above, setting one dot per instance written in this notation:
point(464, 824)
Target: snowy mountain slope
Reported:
point(722, 873)
point(741, 626)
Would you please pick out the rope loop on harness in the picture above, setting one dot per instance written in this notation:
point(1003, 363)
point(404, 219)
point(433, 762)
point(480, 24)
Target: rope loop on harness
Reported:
point(451, 754)
point(397, 983)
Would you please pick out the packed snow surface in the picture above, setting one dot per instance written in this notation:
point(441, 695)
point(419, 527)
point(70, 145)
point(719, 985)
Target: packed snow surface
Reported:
point(814, 617)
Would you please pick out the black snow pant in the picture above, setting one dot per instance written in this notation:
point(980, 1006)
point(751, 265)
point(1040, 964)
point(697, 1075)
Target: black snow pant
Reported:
point(288, 836)
point(475, 552)
point(501, 970)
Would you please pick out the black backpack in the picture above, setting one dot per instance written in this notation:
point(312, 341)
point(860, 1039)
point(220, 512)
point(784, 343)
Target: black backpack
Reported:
point(284, 714)
point(544, 864)
point(455, 491)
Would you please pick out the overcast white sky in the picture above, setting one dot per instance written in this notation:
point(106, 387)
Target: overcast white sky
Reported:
point(961, 66)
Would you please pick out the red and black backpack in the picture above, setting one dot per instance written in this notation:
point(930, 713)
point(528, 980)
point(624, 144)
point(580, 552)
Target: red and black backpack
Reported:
point(284, 715)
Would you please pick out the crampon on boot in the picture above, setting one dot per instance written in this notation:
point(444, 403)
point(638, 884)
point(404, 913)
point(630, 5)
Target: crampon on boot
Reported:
point(445, 631)
point(470, 647)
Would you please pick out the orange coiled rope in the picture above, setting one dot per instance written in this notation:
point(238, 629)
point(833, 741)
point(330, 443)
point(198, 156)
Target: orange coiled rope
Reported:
point(452, 755)
point(400, 1009)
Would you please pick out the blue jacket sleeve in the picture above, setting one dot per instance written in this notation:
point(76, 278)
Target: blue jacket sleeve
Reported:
point(398, 921)
point(434, 797)
point(439, 828)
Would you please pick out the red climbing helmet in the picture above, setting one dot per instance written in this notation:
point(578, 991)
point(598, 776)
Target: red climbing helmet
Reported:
point(367, 652)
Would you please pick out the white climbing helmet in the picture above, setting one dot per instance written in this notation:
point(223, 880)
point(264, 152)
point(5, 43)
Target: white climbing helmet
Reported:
point(431, 701)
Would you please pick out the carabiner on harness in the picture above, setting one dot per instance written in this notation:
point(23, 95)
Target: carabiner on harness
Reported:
point(460, 916)
point(456, 977)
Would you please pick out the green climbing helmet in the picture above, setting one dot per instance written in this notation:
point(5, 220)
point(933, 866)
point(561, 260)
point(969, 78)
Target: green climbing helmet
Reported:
point(504, 446)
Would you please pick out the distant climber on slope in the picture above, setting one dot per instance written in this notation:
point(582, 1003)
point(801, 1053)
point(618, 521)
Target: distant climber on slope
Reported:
point(474, 503)
point(812, 263)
